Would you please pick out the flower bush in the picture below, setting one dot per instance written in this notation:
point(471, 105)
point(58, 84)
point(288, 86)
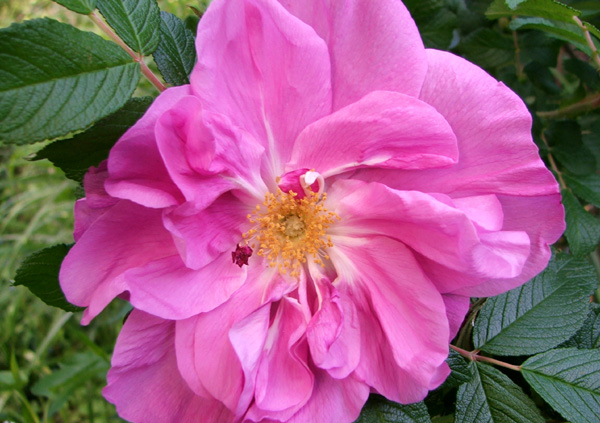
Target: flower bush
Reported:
point(305, 222)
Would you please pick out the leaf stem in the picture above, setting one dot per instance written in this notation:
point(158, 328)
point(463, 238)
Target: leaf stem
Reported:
point(137, 57)
point(588, 103)
point(473, 356)
point(588, 38)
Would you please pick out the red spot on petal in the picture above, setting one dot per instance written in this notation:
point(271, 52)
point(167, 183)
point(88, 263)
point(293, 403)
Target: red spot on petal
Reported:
point(241, 255)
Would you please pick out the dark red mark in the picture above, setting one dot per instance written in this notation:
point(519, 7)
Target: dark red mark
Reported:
point(241, 255)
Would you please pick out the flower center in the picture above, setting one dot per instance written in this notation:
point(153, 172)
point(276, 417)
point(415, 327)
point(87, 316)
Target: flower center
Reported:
point(287, 230)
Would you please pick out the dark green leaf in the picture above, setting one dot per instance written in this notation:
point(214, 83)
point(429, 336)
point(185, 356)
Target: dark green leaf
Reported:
point(175, 55)
point(585, 187)
point(548, 9)
point(39, 273)
point(380, 410)
point(50, 87)
point(75, 155)
point(435, 21)
point(584, 71)
point(491, 397)
point(539, 315)
point(588, 336)
point(461, 371)
point(566, 145)
point(137, 22)
point(541, 77)
point(568, 379)
point(568, 32)
point(85, 7)
point(583, 229)
point(488, 48)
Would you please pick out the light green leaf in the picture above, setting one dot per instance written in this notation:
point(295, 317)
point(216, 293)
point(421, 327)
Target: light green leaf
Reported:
point(85, 7)
point(50, 87)
point(175, 55)
point(583, 229)
point(548, 9)
point(137, 22)
point(539, 315)
point(568, 379)
point(380, 410)
point(586, 187)
point(39, 273)
point(75, 155)
point(491, 397)
point(559, 30)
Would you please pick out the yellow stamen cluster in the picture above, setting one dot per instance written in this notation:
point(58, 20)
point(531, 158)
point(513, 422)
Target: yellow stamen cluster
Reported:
point(287, 230)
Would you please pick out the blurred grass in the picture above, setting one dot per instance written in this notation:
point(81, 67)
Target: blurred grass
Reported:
point(51, 369)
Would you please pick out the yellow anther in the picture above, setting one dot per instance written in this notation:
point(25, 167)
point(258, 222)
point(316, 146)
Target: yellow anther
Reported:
point(288, 230)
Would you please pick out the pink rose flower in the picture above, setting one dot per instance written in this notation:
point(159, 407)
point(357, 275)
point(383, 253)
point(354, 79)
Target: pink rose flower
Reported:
point(304, 224)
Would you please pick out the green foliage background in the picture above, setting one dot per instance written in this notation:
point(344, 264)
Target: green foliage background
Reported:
point(53, 370)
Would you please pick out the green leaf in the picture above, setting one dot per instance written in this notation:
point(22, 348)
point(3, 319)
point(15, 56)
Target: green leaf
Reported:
point(566, 145)
point(559, 30)
point(491, 397)
point(380, 410)
point(588, 336)
point(585, 187)
point(85, 7)
point(50, 87)
point(137, 22)
point(461, 371)
point(583, 229)
point(175, 55)
point(568, 379)
point(548, 9)
point(75, 155)
point(488, 48)
point(539, 315)
point(39, 273)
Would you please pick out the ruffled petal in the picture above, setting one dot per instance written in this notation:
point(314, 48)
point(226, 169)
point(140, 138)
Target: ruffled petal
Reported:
point(404, 327)
point(126, 236)
point(136, 168)
point(265, 69)
point(371, 48)
point(383, 129)
point(144, 382)
point(203, 235)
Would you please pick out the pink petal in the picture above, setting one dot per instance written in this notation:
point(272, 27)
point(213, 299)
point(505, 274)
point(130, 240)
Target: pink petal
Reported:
point(204, 155)
point(371, 48)
point(126, 236)
point(137, 171)
point(283, 381)
point(431, 226)
point(383, 129)
point(333, 333)
point(207, 344)
point(168, 289)
point(457, 307)
point(265, 69)
point(144, 382)
point(203, 235)
point(333, 400)
point(403, 321)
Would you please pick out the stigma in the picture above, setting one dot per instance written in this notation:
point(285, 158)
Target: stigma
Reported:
point(288, 230)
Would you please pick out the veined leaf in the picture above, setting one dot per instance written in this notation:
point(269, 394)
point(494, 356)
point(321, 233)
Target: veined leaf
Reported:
point(39, 273)
point(135, 21)
point(548, 9)
point(75, 155)
point(50, 87)
point(539, 315)
point(85, 7)
point(588, 336)
point(461, 371)
point(583, 229)
point(488, 48)
point(380, 410)
point(175, 55)
point(491, 397)
point(586, 187)
point(568, 379)
point(568, 32)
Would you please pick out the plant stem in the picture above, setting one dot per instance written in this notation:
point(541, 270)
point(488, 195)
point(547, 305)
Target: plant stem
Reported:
point(473, 356)
point(589, 103)
point(553, 165)
point(588, 38)
point(137, 57)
